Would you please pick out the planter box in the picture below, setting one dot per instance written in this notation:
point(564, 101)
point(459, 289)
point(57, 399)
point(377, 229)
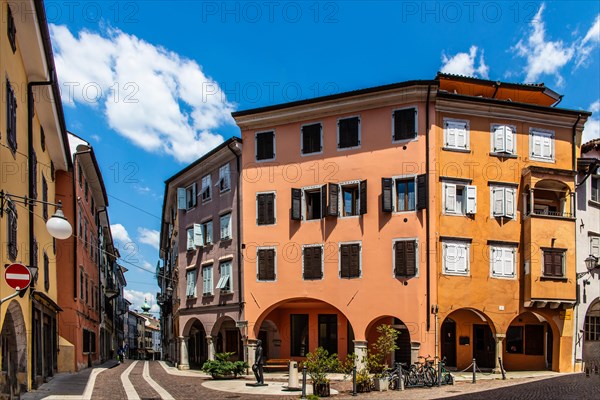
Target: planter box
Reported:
point(381, 384)
point(321, 389)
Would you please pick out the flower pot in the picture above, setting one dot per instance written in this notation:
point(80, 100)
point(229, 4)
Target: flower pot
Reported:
point(363, 387)
point(321, 389)
point(381, 384)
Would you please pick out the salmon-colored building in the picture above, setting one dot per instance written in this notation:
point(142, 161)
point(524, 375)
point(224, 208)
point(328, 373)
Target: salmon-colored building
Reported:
point(505, 165)
point(335, 217)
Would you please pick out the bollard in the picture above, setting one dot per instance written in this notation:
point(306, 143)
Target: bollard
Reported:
point(292, 377)
point(303, 383)
point(439, 374)
point(502, 369)
point(400, 378)
point(354, 381)
point(587, 372)
point(474, 367)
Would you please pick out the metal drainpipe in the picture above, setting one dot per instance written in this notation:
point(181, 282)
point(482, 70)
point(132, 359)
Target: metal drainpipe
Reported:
point(427, 224)
point(573, 147)
point(238, 232)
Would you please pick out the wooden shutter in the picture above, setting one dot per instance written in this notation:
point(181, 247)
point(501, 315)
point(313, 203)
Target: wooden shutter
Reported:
point(181, 198)
point(410, 248)
point(509, 197)
point(404, 124)
point(496, 261)
point(498, 201)
point(509, 142)
point(362, 193)
point(547, 146)
point(421, 192)
point(450, 197)
point(323, 201)
point(311, 138)
point(270, 208)
point(261, 209)
point(354, 267)
point(595, 246)
point(265, 145)
point(266, 265)
point(450, 134)
point(198, 235)
point(190, 239)
point(499, 141)
point(461, 135)
point(548, 263)
point(296, 204)
point(312, 263)
point(345, 261)
point(558, 263)
point(400, 258)
point(536, 144)
point(332, 209)
point(386, 195)
point(471, 202)
point(343, 133)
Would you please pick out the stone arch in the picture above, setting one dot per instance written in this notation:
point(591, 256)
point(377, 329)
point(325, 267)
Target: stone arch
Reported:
point(408, 347)
point(197, 348)
point(591, 346)
point(14, 348)
point(531, 342)
point(226, 337)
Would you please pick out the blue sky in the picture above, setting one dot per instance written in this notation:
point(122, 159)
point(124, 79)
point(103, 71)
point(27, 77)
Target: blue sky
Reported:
point(152, 84)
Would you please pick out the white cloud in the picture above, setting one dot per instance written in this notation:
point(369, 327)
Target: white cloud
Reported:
point(591, 130)
point(119, 233)
point(155, 98)
point(137, 299)
point(149, 237)
point(464, 64)
point(547, 57)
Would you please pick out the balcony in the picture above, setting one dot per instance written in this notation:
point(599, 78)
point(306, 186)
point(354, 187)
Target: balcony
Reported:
point(549, 199)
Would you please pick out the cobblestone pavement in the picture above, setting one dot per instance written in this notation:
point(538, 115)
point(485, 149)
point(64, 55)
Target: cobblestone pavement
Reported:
point(189, 386)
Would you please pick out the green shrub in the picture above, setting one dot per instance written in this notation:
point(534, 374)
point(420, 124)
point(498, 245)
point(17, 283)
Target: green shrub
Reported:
point(320, 363)
point(221, 367)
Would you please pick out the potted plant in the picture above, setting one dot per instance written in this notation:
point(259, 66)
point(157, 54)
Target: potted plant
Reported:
point(377, 358)
point(222, 368)
point(318, 365)
point(363, 381)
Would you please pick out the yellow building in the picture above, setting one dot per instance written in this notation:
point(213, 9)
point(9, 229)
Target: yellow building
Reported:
point(33, 146)
point(505, 161)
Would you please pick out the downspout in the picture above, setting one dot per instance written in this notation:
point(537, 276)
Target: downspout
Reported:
point(573, 147)
point(75, 219)
point(238, 229)
point(497, 85)
point(427, 224)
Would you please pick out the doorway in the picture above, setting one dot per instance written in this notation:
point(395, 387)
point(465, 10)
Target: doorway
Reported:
point(449, 342)
point(484, 346)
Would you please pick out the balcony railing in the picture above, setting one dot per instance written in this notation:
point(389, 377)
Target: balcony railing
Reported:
point(560, 214)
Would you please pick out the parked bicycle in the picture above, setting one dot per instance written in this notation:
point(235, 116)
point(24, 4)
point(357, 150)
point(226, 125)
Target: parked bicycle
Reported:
point(447, 378)
point(393, 375)
point(424, 371)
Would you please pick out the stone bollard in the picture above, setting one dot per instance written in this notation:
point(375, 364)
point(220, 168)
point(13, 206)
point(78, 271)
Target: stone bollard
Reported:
point(293, 385)
point(474, 373)
point(303, 383)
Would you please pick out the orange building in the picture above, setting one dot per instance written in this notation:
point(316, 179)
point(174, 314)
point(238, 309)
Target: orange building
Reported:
point(505, 161)
point(335, 215)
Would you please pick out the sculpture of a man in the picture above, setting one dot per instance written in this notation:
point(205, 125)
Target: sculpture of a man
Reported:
point(257, 368)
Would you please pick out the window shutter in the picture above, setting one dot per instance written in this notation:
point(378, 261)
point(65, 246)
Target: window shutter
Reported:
point(181, 198)
point(296, 204)
point(547, 146)
point(190, 239)
point(198, 237)
point(209, 232)
point(536, 144)
point(262, 265)
point(386, 195)
point(451, 257)
point(509, 140)
point(312, 263)
point(399, 258)
point(548, 264)
point(270, 208)
point(261, 208)
point(498, 201)
point(411, 258)
point(509, 196)
point(461, 135)
point(471, 192)
point(421, 191)
point(508, 259)
point(499, 143)
point(343, 129)
point(595, 246)
point(323, 201)
point(462, 257)
point(270, 265)
point(558, 263)
point(496, 261)
point(334, 201)
point(363, 197)
point(354, 269)
point(450, 134)
point(404, 124)
point(450, 197)
point(345, 261)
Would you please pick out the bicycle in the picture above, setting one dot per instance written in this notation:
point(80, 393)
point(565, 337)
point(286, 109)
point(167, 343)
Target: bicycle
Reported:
point(393, 376)
point(447, 378)
point(425, 371)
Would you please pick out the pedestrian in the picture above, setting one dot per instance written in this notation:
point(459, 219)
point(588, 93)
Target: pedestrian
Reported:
point(120, 353)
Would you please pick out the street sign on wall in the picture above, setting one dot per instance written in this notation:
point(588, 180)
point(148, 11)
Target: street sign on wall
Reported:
point(17, 276)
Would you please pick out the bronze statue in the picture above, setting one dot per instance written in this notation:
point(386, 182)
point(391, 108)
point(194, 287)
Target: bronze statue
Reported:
point(257, 368)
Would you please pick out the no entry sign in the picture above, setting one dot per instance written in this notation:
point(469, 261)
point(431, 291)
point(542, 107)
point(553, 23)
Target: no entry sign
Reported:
point(17, 276)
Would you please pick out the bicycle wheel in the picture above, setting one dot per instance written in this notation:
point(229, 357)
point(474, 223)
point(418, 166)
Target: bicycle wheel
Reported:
point(411, 378)
point(393, 381)
point(449, 379)
point(429, 377)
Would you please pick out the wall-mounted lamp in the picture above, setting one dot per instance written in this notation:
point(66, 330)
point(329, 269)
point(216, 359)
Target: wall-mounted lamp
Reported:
point(58, 227)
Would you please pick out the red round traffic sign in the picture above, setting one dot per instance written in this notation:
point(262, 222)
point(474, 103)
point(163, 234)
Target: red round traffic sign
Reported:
point(17, 276)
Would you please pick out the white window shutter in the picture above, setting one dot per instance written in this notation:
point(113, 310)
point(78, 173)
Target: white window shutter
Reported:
point(496, 261)
point(499, 139)
point(510, 197)
point(463, 257)
point(209, 232)
point(450, 197)
point(450, 134)
point(509, 141)
point(508, 259)
point(595, 246)
point(498, 201)
point(536, 143)
point(190, 239)
point(198, 237)
point(461, 135)
point(450, 257)
point(547, 146)
point(181, 199)
point(471, 192)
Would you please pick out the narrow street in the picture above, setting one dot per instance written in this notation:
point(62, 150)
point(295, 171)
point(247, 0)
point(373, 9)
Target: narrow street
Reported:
point(149, 380)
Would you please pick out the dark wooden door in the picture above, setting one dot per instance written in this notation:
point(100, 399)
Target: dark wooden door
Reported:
point(449, 342)
point(262, 336)
point(484, 346)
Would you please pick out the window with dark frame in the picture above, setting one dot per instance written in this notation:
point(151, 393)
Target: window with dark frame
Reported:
point(350, 260)
point(298, 335)
point(314, 202)
point(81, 287)
point(592, 328)
point(350, 196)
point(405, 124)
point(265, 207)
point(13, 249)
point(405, 258)
point(553, 263)
point(11, 116)
point(514, 340)
point(311, 139)
point(328, 335)
point(595, 196)
point(313, 262)
point(86, 191)
point(266, 264)
point(190, 196)
point(405, 194)
point(348, 132)
point(11, 29)
point(265, 146)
